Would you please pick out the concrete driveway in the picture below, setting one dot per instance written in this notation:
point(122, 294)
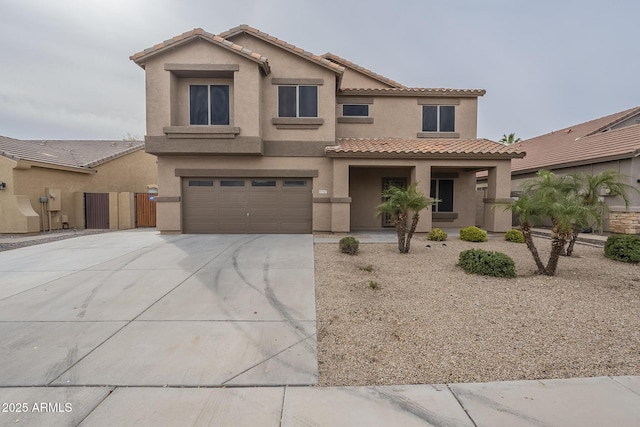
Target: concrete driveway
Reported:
point(139, 309)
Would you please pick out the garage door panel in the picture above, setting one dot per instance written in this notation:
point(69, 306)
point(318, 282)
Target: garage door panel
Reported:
point(220, 205)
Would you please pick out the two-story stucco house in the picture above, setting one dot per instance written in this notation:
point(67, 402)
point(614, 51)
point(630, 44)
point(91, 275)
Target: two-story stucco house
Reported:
point(255, 135)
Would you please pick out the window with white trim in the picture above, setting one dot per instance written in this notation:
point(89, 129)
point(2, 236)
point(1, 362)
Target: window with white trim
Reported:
point(297, 101)
point(438, 118)
point(442, 189)
point(209, 105)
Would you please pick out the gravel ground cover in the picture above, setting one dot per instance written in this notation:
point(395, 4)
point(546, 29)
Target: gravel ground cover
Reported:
point(428, 322)
point(7, 240)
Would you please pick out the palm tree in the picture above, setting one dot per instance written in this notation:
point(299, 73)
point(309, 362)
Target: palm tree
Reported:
point(590, 188)
point(550, 196)
point(510, 139)
point(400, 204)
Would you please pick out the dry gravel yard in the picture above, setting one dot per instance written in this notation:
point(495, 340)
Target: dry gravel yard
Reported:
point(429, 322)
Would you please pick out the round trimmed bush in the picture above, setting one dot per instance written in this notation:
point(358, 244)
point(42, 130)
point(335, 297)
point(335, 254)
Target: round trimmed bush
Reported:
point(349, 245)
point(487, 263)
point(473, 234)
point(437, 234)
point(514, 236)
point(623, 247)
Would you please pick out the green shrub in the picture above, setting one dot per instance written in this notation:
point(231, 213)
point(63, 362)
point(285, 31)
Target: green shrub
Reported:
point(473, 234)
point(488, 263)
point(373, 284)
point(623, 247)
point(514, 236)
point(349, 245)
point(437, 235)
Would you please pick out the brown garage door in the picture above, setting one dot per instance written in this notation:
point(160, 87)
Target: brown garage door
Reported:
point(246, 205)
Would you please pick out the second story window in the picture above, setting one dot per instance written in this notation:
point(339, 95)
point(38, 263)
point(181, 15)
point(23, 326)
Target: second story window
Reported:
point(297, 101)
point(209, 104)
point(438, 118)
point(355, 110)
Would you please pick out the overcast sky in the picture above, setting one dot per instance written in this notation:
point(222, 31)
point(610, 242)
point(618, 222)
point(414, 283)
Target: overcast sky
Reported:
point(65, 71)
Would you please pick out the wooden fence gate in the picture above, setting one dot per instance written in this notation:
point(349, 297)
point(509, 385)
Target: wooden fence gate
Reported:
point(96, 210)
point(145, 210)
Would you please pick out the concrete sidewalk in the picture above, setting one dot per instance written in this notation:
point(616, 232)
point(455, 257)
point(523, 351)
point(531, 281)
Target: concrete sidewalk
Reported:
point(135, 328)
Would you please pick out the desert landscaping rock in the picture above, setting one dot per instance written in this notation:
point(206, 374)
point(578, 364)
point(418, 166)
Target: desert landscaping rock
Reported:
point(428, 322)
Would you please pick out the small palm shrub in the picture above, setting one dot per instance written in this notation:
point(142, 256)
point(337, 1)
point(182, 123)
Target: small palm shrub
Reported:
point(623, 247)
point(473, 234)
point(437, 235)
point(514, 236)
point(349, 245)
point(487, 263)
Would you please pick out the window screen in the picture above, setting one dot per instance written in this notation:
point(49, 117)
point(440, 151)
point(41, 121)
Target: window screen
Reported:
point(219, 104)
point(430, 118)
point(198, 110)
point(355, 110)
point(447, 118)
point(287, 100)
point(308, 101)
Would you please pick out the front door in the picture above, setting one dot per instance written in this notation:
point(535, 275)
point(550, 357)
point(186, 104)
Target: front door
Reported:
point(386, 183)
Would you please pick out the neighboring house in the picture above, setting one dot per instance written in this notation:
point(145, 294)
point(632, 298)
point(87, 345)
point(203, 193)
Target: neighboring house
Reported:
point(62, 172)
point(607, 143)
point(255, 135)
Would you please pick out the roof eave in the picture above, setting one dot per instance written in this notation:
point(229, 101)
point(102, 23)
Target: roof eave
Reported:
point(456, 156)
point(26, 164)
point(584, 162)
point(472, 93)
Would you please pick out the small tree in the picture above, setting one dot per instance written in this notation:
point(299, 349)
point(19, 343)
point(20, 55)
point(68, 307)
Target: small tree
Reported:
point(400, 204)
point(553, 197)
point(589, 188)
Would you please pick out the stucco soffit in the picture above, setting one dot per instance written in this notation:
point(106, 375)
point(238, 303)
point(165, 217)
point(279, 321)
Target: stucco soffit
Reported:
point(141, 57)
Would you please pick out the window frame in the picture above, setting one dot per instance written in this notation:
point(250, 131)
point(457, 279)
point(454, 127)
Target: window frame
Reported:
point(436, 206)
point(298, 100)
point(439, 118)
point(209, 104)
point(355, 105)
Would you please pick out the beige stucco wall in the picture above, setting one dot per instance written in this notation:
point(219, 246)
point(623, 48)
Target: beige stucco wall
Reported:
point(352, 79)
point(167, 94)
point(129, 173)
point(285, 64)
point(16, 213)
point(401, 117)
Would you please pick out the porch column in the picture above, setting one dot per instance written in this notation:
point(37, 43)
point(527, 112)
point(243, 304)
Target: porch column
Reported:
point(340, 200)
point(421, 174)
point(496, 218)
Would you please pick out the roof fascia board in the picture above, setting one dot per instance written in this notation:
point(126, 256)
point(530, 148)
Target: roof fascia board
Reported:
point(27, 164)
point(576, 163)
point(414, 92)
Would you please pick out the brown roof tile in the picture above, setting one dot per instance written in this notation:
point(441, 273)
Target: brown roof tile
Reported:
point(420, 147)
point(375, 76)
point(77, 154)
point(140, 57)
point(281, 43)
point(414, 91)
point(580, 144)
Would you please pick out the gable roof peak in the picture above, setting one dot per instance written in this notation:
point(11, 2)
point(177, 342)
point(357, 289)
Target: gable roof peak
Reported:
point(246, 29)
point(198, 33)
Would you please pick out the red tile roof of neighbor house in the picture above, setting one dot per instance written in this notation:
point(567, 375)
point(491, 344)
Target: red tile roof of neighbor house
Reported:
point(73, 153)
point(421, 147)
point(585, 143)
point(348, 64)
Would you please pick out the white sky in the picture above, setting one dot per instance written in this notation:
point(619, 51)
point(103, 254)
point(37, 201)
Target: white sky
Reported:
point(65, 71)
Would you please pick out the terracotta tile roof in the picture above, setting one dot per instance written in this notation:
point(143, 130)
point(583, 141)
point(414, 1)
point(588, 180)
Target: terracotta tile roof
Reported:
point(436, 147)
point(580, 144)
point(75, 154)
point(415, 91)
point(349, 64)
point(140, 57)
point(243, 28)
